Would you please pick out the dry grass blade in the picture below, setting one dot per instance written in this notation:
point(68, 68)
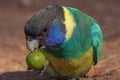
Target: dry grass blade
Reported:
point(110, 70)
point(108, 58)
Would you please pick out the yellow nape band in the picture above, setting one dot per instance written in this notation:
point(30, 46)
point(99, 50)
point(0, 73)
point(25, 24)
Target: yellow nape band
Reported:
point(69, 23)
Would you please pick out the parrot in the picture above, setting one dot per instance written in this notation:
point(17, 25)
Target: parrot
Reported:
point(72, 40)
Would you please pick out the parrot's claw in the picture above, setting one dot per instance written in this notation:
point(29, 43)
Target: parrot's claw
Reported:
point(44, 68)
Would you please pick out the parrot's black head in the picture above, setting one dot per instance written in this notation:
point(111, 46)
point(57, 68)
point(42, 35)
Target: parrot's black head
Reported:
point(45, 28)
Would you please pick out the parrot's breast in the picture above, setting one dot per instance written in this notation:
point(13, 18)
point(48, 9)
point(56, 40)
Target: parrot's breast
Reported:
point(71, 67)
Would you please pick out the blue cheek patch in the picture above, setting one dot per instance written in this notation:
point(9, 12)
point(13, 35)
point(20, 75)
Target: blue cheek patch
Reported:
point(56, 35)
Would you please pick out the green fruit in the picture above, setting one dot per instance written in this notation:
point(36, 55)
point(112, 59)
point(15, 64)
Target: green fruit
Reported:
point(35, 60)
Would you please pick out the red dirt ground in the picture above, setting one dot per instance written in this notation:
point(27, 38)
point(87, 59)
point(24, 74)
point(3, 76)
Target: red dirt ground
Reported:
point(13, 51)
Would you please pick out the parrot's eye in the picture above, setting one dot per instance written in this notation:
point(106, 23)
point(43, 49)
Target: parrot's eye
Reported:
point(45, 29)
point(29, 38)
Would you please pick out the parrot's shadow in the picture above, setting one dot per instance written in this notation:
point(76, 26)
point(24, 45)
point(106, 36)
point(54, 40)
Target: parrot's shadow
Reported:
point(24, 75)
point(30, 75)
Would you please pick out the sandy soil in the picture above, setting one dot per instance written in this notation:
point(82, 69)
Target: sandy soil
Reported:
point(13, 51)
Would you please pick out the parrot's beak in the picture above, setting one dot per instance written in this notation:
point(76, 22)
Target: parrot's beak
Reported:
point(32, 45)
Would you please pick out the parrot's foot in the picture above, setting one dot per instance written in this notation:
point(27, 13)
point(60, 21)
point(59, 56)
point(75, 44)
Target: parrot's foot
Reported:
point(44, 68)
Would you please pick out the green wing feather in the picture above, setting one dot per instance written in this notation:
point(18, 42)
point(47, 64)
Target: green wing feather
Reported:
point(87, 32)
point(97, 41)
point(80, 41)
